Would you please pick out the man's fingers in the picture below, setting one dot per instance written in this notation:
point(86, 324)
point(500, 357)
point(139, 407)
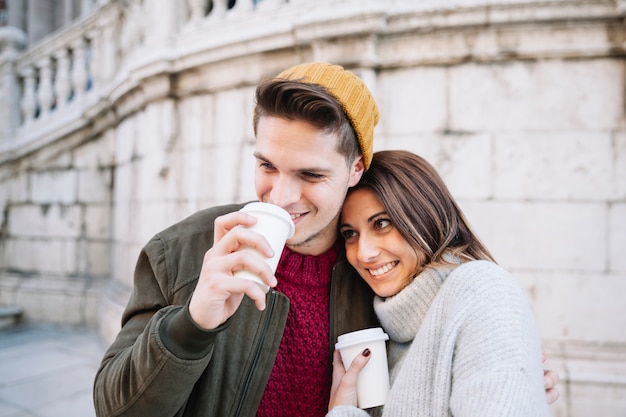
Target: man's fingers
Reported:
point(237, 237)
point(552, 395)
point(225, 263)
point(227, 222)
point(550, 379)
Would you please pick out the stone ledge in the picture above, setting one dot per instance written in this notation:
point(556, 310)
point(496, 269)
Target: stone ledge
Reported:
point(10, 316)
point(54, 300)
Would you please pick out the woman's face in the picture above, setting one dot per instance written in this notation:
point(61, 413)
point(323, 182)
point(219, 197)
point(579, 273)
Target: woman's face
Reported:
point(374, 246)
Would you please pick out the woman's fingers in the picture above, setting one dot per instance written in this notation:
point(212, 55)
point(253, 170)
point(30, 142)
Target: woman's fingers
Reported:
point(343, 390)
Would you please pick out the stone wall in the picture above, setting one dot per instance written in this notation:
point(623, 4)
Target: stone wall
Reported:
point(519, 104)
point(55, 236)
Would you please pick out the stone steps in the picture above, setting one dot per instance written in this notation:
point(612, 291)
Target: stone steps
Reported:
point(10, 316)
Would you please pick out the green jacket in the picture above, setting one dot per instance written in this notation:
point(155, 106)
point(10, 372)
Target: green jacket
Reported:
point(162, 364)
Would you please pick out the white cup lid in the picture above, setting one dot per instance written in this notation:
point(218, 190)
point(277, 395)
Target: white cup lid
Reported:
point(274, 210)
point(360, 336)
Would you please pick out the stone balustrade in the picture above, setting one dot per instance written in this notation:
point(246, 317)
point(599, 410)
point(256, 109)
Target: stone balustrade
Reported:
point(75, 67)
point(83, 68)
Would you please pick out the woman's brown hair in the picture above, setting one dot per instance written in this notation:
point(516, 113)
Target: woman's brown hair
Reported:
point(421, 207)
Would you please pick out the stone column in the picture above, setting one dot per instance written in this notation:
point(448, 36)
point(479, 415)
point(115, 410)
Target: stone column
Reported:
point(40, 17)
point(86, 6)
point(68, 11)
point(16, 12)
point(12, 40)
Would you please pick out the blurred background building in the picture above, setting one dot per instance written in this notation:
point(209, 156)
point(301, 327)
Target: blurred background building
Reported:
point(120, 117)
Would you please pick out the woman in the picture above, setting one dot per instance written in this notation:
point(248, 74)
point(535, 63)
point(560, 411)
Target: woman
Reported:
point(462, 340)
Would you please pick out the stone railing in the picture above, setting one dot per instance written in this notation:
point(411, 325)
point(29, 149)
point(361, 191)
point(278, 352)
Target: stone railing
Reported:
point(58, 84)
point(68, 79)
point(48, 87)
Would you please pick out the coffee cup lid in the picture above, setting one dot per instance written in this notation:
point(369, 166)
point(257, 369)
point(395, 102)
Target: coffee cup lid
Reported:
point(272, 209)
point(360, 336)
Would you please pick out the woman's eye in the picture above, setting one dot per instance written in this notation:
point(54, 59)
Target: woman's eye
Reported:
point(347, 234)
point(382, 223)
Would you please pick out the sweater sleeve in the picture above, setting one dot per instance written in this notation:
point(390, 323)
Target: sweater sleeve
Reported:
point(159, 353)
point(497, 366)
point(347, 411)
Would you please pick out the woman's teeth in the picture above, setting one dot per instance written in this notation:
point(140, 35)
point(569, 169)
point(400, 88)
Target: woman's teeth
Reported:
point(383, 269)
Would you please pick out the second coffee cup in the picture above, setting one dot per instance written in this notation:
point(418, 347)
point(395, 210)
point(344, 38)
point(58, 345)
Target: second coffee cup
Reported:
point(372, 384)
point(275, 224)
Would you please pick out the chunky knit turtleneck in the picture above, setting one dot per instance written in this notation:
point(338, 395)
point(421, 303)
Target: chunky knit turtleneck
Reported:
point(299, 384)
point(462, 342)
point(402, 315)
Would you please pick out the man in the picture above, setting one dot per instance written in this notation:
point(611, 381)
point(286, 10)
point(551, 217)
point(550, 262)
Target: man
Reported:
point(196, 340)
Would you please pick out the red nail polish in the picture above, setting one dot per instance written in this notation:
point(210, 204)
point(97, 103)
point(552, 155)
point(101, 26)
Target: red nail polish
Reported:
point(366, 352)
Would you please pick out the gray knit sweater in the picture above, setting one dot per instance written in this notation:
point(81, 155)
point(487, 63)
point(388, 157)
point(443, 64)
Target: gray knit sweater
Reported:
point(462, 343)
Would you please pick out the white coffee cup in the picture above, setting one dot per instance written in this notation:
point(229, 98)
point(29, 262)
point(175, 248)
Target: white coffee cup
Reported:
point(275, 224)
point(373, 381)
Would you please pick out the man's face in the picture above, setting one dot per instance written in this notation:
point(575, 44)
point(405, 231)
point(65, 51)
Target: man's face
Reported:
point(299, 169)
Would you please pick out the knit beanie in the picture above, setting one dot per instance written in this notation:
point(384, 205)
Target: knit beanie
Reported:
point(357, 101)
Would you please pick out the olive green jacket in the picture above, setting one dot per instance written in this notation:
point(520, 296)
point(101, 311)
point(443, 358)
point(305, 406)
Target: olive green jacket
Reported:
point(162, 364)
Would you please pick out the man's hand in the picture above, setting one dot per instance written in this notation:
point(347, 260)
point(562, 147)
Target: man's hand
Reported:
point(218, 293)
point(343, 389)
point(550, 380)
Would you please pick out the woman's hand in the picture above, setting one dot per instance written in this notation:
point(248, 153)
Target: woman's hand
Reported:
point(343, 389)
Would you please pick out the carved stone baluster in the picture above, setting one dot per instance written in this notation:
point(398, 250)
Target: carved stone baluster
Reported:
point(269, 4)
point(95, 59)
point(219, 9)
point(197, 10)
point(107, 53)
point(242, 7)
point(160, 22)
point(29, 102)
point(89, 64)
point(45, 94)
point(62, 85)
point(79, 69)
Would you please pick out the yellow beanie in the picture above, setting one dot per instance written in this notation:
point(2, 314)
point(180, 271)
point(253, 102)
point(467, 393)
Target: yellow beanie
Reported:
point(350, 91)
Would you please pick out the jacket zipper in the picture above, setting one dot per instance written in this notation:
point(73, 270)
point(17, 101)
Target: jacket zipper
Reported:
point(266, 323)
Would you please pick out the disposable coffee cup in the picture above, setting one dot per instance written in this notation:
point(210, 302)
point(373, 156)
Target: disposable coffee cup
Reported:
point(275, 224)
point(372, 384)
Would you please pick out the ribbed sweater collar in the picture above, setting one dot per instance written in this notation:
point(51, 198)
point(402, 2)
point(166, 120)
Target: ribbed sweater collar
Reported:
point(402, 315)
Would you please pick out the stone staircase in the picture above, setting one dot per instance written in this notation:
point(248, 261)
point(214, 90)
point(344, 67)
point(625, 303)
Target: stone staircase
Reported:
point(10, 316)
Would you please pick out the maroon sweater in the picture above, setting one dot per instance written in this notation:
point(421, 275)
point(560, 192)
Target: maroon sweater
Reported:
point(299, 384)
